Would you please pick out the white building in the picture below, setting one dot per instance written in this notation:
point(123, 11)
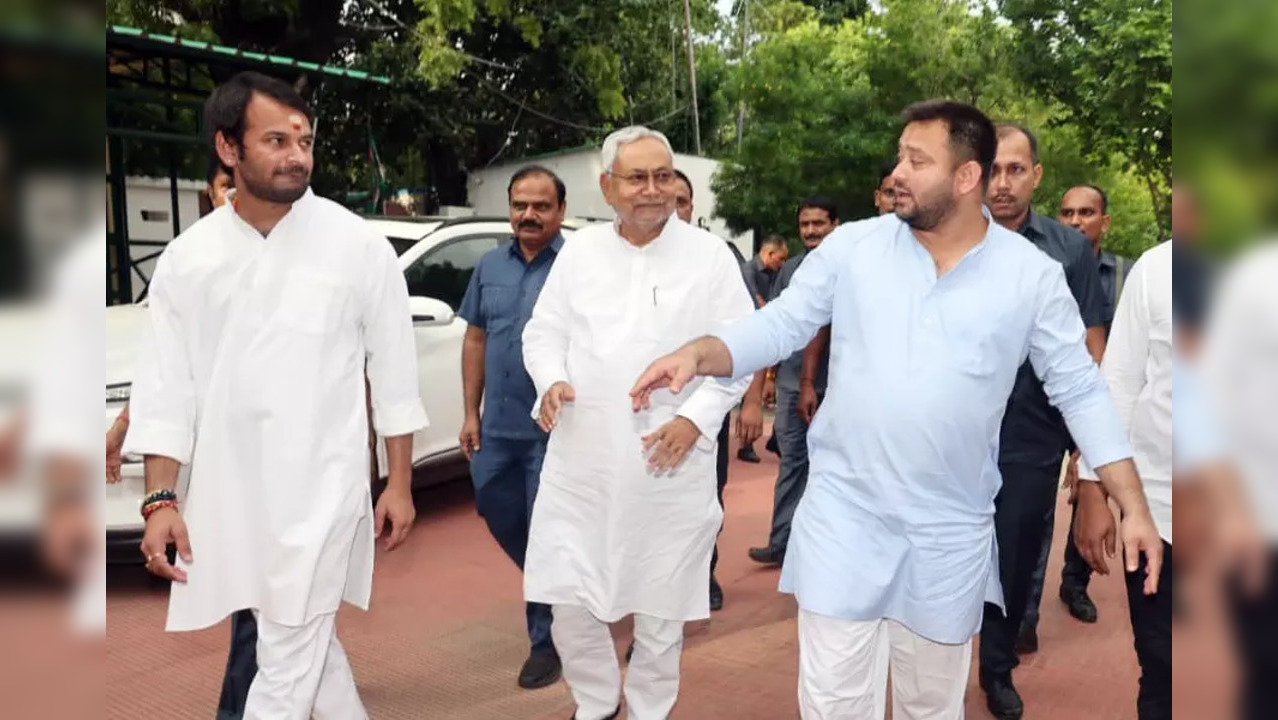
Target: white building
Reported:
point(150, 215)
point(579, 168)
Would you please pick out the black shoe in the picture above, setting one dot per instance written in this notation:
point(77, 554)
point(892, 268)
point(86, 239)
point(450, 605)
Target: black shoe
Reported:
point(540, 670)
point(772, 446)
point(716, 595)
point(1079, 604)
point(615, 714)
point(1027, 640)
point(1001, 697)
point(767, 555)
point(747, 454)
point(630, 651)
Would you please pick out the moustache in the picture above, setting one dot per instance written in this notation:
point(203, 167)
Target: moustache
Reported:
point(294, 172)
point(1002, 198)
point(531, 224)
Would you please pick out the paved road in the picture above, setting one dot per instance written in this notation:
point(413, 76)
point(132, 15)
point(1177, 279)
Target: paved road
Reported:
point(445, 638)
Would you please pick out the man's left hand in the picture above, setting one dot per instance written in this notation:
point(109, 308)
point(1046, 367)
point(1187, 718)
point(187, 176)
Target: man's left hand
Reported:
point(396, 505)
point(1140, 535)
point(668, 446)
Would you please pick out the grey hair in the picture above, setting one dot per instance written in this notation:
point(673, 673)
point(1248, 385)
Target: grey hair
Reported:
point(625, 136)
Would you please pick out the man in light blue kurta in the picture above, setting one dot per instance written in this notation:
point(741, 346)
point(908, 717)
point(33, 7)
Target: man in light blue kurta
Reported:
point(933, 309)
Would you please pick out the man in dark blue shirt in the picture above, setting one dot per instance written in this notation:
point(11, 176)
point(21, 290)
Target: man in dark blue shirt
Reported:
point(504, 446)
point(1034, 439)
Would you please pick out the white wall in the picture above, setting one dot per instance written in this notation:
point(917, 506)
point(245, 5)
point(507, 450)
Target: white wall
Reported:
point(150, 196)
point(579, 169)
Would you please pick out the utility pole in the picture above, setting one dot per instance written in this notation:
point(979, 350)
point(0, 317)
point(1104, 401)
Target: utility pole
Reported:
point(745, 39)
point(692, 77)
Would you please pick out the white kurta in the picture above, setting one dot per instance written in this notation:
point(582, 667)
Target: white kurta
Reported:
point(252, 370)
point(607, 533)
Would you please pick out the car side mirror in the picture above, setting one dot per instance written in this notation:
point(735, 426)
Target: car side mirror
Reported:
point(429, 311)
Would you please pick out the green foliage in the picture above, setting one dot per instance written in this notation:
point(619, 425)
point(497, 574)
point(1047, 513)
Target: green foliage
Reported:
point(1108, 66)
point(823, 101)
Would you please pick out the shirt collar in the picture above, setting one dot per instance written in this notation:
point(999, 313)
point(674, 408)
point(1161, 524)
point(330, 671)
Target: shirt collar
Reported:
point(1108, 259)
point(1033, 224)
point(252, 231)
point(556, 244)
point(671, 226)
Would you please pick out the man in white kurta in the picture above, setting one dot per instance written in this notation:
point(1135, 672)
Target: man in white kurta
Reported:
point(619, 528)
point(252, 367)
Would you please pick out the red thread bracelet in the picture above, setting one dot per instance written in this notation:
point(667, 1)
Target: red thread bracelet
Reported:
point(150, 508)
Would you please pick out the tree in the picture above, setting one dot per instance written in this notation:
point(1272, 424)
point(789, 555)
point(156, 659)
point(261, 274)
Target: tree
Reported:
point(560, 73)
point(824, 100)
point(1108, 66)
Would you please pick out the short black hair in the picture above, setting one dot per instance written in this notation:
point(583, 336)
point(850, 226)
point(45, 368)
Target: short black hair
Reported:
point(1008, 129)
point(226, 108)
point(1103, 195)
point(560, 190)
point(820, 202)
point(215, 167)
point(679, 174)
point(972, 135)
point(886, 169)
point(774, 241)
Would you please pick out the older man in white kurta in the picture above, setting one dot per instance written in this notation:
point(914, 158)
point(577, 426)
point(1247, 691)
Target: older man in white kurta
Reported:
point(624, 521)
point(259, 330)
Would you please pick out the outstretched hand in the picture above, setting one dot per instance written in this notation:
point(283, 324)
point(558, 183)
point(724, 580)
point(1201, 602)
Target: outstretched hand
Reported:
point(673, 371)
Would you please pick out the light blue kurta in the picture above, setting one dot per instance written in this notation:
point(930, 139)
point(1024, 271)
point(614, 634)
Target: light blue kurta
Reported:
point(898, 517)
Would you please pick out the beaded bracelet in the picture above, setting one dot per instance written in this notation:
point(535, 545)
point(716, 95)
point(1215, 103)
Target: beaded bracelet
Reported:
point(150, 508)
point(159, 495)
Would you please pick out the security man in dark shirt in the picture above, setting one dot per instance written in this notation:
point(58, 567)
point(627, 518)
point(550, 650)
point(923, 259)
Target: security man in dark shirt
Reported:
point(1034, 439)
point(1086, 209)
point(504, 446)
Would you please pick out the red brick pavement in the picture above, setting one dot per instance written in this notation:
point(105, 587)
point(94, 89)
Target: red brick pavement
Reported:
point(445, 635)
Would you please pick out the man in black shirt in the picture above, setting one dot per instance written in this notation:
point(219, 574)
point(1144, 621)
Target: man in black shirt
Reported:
point(1034, 440)
point(1086, 209)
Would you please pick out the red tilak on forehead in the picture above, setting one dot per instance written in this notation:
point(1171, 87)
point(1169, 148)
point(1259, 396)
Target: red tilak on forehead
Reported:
point(297, 121)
